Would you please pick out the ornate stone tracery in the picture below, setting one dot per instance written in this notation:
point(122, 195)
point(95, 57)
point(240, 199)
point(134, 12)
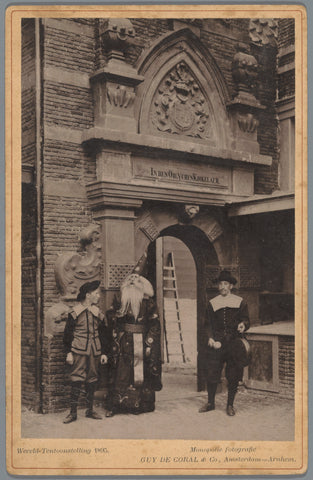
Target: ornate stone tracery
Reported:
point(179, 106)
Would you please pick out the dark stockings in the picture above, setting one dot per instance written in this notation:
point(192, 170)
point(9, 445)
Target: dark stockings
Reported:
point(75, 391)
point(211, 393)
point(90, 390)
point(232, 390)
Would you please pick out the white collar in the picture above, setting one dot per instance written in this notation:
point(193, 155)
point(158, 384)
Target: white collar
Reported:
point(230, 301)
point(79, 308)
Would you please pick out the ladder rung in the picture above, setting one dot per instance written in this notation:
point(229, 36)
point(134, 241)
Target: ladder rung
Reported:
point(168, 268)
point(172, 289)
point(173, 279)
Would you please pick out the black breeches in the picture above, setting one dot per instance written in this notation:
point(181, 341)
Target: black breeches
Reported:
point(216, 360)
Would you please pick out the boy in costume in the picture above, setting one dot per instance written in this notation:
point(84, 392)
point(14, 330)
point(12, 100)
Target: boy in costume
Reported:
point(86, 344)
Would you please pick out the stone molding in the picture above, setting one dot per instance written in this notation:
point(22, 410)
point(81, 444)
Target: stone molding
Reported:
point(132, 195)
point(98, 138)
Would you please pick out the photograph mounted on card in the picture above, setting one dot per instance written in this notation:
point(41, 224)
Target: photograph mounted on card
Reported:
point(156, 196)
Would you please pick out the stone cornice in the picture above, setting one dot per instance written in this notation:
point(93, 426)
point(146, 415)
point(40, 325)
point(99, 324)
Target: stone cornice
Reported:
point(155, 144)
point(118, 194)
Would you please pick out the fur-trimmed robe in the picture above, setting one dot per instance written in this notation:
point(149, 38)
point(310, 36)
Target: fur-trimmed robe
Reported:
point(135, 359)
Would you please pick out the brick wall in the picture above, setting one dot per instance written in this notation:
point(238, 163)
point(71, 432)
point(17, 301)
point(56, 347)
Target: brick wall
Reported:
point(286, 356)
point(69, 44)
point(68, 158)
point(286, 84)
point(29, 331)
point(55, 380)
point(29, 338)
point(64, 218)
point(28, 92)
point(286, 32)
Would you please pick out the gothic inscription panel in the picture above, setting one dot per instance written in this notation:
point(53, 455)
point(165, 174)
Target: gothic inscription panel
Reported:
point(181, 173)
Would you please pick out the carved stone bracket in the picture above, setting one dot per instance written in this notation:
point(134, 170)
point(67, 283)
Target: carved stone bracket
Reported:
point(75, 268)
point(190, 211)
point(179, 106)
point(247, 122)
point(120, 96)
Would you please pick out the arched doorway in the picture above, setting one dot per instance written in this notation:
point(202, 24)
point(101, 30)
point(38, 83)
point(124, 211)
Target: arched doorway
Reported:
point(204, 256)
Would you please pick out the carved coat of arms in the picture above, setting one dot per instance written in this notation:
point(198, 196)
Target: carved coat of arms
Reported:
point(179, 106)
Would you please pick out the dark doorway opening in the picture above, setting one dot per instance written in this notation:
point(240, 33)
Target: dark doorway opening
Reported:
point(199, 253)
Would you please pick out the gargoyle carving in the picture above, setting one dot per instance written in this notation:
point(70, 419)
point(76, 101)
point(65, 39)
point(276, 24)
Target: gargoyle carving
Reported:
point(75, 268)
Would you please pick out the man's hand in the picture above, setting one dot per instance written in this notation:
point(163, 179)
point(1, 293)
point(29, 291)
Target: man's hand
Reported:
point(69, 358)
point(211, 342)
point(104, 359)
point(241, 327)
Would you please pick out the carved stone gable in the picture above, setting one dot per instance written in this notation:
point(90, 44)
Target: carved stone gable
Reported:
point(179, 106)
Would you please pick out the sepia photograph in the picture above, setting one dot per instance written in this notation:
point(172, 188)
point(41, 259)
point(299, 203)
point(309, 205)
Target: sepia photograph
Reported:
point(161, 293)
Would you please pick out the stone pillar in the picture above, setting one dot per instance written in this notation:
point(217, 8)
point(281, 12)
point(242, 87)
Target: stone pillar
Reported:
point(118, 247)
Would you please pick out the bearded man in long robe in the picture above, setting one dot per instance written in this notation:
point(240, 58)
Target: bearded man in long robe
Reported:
point(136, 349)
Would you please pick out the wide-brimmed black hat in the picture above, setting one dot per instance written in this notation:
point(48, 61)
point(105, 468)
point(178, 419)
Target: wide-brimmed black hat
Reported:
point(87, 287)
point(226, 276)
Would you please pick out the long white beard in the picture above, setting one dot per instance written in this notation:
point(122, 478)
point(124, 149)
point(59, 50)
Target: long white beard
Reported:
point(132, 297)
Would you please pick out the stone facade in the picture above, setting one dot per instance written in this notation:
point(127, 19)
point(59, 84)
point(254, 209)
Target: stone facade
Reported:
point(124, 123)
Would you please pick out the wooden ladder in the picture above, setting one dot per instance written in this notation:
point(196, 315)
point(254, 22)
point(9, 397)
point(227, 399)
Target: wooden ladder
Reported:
point(169, 275)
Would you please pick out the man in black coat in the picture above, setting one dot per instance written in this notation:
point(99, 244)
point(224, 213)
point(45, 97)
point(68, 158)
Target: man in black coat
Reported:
point(227, 320)
point(86, 344)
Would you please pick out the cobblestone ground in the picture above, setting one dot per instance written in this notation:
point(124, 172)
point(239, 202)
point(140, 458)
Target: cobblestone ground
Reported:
point(259, 416)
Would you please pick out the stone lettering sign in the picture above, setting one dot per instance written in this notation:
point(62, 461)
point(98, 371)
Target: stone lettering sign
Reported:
point(182, 173)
